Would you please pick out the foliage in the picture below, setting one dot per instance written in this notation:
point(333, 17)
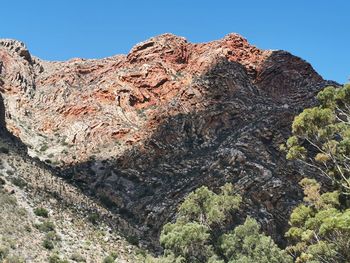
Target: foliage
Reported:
point(94, 218)
point(40, 211)
point(320, 229)
point(321, 136)
point(45, 226)
point(55, 258)
point(78, 258)
point(3, 252)
point(189, 240)
point(198, 235)
point(246, 244)
point(51, 239)
point(200, 216)
point(110, 258)
point(207, 208)
point(48, 244)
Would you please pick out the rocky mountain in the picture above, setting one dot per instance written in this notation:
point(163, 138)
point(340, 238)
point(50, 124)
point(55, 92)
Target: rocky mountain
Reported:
point(140, 131)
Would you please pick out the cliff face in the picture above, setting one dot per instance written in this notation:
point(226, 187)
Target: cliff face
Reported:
point(142, 130)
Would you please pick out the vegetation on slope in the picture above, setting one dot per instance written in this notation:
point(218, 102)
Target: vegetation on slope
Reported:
point(201, 234)
point(44, 219)
point(319, 227)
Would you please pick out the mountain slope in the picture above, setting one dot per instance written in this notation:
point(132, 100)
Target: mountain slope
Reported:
point(140, 131)
point(43, 218)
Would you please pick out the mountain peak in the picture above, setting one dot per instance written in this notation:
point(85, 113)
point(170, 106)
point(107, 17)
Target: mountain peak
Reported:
point(17, 47)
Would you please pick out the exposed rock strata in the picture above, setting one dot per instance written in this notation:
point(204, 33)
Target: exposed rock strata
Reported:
point(142, 130)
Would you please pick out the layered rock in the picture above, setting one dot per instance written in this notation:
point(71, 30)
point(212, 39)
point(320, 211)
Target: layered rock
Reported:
point(142, 130)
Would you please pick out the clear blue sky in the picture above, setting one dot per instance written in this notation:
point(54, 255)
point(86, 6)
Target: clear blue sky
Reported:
point(316, 30)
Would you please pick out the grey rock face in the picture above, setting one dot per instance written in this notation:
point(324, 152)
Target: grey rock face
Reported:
point(16, 47)
point(233, 136)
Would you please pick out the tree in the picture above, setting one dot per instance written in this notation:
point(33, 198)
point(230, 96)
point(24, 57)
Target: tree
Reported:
point(199, 220)
point(207, 208)
point(246, 244)
point(320, 228)
point(189, 241)
point(199, 233)
point(321, 136)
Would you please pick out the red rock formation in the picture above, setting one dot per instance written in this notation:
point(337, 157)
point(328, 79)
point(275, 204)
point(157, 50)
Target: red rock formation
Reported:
point(80, 98)
point(166, 118)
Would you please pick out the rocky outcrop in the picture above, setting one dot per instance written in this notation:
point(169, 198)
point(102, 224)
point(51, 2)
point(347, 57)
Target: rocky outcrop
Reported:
point(140, 131)
point(17, 47)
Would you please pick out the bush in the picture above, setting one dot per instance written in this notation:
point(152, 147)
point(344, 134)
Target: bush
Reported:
point(109, 259)
point(50, 240)
point(46, 226)
point(43, 148)
point(94, 218)
point(48, 244)
point(132, 239)
point(10, 172)
point(106, 201)
point(2, 182)
point(19, 182)
point(55, 258)
point(40, 211)
point(78, 258)
point(3, 252)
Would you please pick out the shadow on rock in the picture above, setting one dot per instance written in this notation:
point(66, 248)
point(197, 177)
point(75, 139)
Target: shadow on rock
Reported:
point(221, 128)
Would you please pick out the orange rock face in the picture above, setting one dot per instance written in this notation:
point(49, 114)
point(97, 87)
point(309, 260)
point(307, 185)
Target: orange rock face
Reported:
point(166, 106)
point(90, 104)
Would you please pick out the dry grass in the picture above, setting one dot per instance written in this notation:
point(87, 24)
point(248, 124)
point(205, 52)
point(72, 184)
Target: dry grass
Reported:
point(26, 194)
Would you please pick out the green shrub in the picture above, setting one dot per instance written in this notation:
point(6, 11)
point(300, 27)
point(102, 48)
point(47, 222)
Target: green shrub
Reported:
point(55, 258)
point(43, 148)
point(40, 211)
point(110, 258)
point(78, 258)
point(2, 182)
point(46, 226)
point(321, 136)
point(246, 244)
point(106, 201)
point(52, 235)
point(94, 218)
point(10, 172)
point(51, 238)
point(48, 244)
point(3, 252)
point(132, 239)
point(194, 237)
point(19, 182)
